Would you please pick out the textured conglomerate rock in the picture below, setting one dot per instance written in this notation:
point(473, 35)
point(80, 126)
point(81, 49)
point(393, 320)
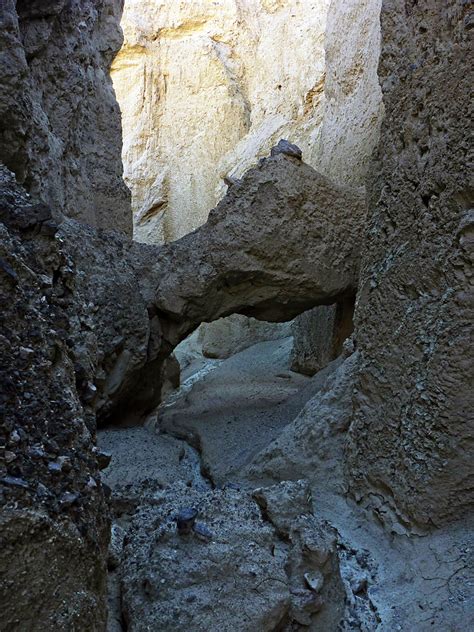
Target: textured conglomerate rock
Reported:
point(60, 129)
point(411, 438)
point(53, 523)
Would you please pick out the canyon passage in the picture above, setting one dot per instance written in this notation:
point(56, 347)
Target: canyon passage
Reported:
point(237, 297)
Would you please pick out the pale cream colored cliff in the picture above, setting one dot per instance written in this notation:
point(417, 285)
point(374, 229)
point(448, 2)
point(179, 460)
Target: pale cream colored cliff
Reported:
point(206, 87)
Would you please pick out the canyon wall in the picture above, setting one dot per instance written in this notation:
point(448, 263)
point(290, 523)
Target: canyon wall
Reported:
point(206, 89)
point(90, 316)
point(411, 439)
point(60, 130)
point(60, 136)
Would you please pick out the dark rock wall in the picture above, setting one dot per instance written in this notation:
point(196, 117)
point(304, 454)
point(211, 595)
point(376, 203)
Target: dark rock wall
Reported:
point(411, 438)
point(60, 128)
point(53, 523)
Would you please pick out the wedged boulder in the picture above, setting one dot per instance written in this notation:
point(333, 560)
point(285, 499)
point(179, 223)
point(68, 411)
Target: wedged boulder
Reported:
point(249, 256)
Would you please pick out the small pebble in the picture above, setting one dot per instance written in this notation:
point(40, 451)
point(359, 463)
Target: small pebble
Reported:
point(202, 531)
point(68, 498)
point(36, 452)
point(42, 491)
point(185, 520)
point(55, 468)
point(9, 456)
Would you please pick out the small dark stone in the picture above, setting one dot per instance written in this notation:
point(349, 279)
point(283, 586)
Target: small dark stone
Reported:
point(185, 520)
point(68, 498)
point(36, 452)
point(202, 531)
point(287, 148)
point(9, 456)
point(13, 481)
point(65, 463)
point(42, 491)
point(55, 468)
point(103, 458)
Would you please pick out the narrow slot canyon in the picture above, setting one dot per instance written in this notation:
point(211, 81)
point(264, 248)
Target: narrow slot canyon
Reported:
point(236, 285)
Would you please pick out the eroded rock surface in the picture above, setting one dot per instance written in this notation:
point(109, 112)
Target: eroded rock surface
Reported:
point(60, 130)
point(411, 438)
point(54, 521)
point(247, 258)
point(232, 571)
point(311, 446)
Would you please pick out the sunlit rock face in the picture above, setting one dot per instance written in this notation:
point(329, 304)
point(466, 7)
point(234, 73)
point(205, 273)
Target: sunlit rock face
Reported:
point(205, 88)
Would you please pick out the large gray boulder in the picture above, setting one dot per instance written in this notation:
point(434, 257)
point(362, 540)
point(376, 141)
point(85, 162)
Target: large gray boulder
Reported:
point(242, 567)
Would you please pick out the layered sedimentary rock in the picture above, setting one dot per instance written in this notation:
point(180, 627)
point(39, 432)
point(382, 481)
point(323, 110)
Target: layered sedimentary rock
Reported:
point(236, 76)
point(205, 89)
point(411, 440)
point(60, 130)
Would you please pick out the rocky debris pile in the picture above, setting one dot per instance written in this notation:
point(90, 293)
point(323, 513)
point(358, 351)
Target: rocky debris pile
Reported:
point(244, 566)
